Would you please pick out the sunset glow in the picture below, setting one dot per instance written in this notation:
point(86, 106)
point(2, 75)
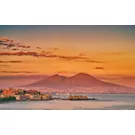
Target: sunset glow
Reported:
point(107, 52)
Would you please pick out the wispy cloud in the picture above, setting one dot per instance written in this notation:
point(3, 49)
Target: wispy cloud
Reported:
point(99, 68)
point(17, 72)
point(14, 61)
point(17, 50)
point(23, 46)
point(11, 44)
point(50, 55)
point(20, 53)
point(94, 61)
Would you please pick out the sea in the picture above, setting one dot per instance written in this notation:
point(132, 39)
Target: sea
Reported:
point(103, 102)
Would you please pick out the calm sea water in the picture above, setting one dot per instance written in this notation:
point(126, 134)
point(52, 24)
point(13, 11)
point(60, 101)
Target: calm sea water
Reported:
point(104, 102)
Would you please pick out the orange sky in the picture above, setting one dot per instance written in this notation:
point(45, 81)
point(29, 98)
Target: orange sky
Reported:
point(104, 51)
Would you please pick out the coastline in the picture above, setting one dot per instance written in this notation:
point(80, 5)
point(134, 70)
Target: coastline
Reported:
point(90, 99)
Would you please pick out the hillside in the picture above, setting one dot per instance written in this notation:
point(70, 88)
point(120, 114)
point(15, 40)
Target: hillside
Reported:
point(80, 82)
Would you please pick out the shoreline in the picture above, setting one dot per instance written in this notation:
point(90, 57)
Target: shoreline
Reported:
point(91, 99)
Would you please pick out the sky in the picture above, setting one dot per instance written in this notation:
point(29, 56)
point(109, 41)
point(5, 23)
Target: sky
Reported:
point(107, 52)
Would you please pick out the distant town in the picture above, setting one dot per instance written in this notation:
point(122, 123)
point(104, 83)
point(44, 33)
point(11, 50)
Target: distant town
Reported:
point(14, 94)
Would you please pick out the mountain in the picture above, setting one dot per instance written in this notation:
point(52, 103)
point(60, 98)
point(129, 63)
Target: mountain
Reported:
point(82, 79)
point(51, 81)
point(80, 82)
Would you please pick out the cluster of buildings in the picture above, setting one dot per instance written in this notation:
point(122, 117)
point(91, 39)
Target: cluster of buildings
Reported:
point(22, 95)
point(77, 97)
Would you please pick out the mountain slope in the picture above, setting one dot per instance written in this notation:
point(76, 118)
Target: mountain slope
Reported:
point(81, 82)
point(51, 81)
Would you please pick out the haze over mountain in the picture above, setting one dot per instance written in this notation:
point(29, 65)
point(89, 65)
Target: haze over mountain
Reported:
point(17, 80)
point(80, 82)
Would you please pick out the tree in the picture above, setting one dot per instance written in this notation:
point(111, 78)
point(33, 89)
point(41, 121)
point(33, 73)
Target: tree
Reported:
point(24, 92)
point(1, 91)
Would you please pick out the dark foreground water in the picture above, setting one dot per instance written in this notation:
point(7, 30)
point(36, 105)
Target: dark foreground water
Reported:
point(104, 102)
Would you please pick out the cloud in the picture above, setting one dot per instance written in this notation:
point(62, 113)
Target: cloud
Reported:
point(93, 61)
point(7, 42)
point(4, 39)
point(99, 68)
point(70, 57)
point(10, 44)
point(23, 46)
point(15, 49)
point(17, 72)
point(13, 61)
point(14, 46)
point(20, 53)
point(47, 54)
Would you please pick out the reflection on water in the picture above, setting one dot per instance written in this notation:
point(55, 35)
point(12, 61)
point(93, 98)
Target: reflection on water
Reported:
point(105, 101)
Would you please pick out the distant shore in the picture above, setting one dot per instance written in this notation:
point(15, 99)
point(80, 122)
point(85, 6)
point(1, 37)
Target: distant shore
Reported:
point(49, 100)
